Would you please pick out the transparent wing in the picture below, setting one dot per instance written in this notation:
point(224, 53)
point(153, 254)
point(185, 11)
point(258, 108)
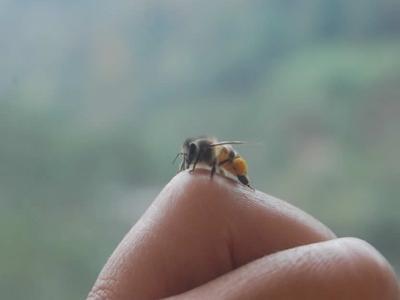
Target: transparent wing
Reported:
point(226, 143)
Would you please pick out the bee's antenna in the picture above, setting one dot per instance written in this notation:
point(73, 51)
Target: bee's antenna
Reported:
point(176, 157)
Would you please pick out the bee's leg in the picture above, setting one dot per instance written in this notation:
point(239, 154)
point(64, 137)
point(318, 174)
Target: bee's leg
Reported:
point(182, 166)
point(214, 168)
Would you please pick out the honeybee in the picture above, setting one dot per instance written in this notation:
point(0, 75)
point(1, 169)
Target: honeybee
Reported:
point(219, 156)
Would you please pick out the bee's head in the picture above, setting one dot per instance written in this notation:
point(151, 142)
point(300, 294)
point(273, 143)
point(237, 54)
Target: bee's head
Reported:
point(190, 150)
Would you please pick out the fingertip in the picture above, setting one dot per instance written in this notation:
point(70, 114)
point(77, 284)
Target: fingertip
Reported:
point(258, 224)
point(232, 193)
point(200, 181)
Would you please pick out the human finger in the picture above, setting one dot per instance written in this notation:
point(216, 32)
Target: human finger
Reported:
point(346, 269)
point(197, 229)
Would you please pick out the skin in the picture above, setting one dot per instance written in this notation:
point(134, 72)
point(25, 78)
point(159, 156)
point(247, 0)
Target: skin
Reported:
point(217, 239)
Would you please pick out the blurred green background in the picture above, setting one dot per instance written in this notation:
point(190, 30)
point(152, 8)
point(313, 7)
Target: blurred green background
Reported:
point(96, 98)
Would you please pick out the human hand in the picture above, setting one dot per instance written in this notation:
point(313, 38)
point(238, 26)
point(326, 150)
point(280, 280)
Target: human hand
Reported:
point(208, 238)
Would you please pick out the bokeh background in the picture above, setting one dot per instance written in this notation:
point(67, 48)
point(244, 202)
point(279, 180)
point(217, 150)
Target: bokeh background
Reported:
point(96, 98)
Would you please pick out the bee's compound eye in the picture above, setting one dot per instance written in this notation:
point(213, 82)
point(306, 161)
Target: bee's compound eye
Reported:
point(192, 148)
point(192, 151)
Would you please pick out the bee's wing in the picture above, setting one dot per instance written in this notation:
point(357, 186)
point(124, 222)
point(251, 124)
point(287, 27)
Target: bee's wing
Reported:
point(226, 143)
